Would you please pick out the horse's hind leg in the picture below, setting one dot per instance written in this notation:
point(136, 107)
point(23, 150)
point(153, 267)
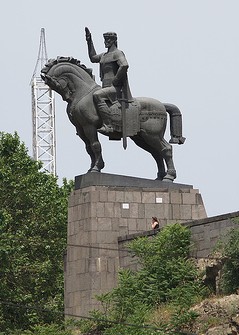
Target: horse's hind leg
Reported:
point(161, 150)
point(158, 157)
point(167, 154)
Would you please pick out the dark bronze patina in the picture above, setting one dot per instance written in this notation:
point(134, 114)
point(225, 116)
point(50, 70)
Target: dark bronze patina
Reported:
point(110, 109)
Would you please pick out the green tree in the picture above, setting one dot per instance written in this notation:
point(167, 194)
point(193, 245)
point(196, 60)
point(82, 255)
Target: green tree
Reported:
point(33, 223)
point(230, 271)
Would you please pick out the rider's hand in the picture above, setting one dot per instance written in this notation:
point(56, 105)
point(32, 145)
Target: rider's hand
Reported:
point(87, 34)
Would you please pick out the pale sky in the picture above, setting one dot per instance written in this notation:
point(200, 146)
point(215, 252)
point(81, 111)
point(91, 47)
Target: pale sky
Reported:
point(184, 52)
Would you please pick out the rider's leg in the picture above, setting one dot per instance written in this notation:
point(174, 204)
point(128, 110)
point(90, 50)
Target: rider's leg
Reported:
point(100, 98)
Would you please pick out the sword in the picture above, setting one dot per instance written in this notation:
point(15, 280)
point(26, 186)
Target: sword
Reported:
point(123, 113)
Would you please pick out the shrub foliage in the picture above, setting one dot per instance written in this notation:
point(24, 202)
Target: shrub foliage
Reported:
point(167, 278)
point(230, 273)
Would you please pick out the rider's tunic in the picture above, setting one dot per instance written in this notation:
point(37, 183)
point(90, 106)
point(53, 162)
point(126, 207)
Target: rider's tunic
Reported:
point(113, 65)
point(113, 74)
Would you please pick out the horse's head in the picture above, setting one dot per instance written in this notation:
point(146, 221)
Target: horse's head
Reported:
point(64, 74)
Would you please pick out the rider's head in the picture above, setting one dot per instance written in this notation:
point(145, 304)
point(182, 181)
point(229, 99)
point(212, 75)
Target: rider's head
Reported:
point(110, 38)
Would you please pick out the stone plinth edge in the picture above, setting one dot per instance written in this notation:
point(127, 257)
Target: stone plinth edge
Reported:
point(106, 179)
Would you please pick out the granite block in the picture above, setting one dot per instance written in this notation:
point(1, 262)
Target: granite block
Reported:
point(94, 196)
point(111, 196)
point(103, 195)
point(186, 212)
point(189, 198)
point(141, 211)
point(148, 197)
point(119, 196)
point(109, 209)
point(100, 209)
point(134, 210)
point(176, 198)
point(104, 224)
point(132, 224)
point(162, 196)
point(176, 213)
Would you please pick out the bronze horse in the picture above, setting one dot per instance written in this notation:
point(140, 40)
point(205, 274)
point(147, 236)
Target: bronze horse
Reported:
point(75, 83)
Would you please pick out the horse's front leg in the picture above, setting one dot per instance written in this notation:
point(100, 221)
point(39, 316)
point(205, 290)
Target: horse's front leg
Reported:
point(81, 134)
point(94, 147)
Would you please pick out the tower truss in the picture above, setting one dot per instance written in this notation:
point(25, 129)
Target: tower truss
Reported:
point(43, 114)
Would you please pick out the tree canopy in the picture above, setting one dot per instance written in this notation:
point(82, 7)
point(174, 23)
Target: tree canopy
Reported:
point(33, 225)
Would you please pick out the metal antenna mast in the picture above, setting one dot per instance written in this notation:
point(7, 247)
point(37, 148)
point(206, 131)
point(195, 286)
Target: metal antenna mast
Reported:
point(43, 114)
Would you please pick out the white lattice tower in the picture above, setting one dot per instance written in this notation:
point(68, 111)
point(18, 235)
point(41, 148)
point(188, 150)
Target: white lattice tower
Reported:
point(43, 114)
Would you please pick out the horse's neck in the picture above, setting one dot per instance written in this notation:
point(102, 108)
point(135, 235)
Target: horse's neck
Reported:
point(81, 87)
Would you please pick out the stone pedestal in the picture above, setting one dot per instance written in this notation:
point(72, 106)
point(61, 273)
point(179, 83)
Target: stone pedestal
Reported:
point(105, 207)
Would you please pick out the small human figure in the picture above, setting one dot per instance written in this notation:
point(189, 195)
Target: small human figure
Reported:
point(113, 74)
point(155, 223)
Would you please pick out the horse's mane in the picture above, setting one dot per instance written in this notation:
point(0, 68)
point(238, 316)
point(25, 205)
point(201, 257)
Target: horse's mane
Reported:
point(71, 60)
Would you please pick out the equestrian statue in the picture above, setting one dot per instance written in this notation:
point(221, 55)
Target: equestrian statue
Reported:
point(111, 109)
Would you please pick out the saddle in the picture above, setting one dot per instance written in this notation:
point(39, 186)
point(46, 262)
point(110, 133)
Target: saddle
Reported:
point(132, 124)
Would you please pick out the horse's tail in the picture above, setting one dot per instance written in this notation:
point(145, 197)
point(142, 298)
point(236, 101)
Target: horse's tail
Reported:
point(175, 124)
point(172, 109)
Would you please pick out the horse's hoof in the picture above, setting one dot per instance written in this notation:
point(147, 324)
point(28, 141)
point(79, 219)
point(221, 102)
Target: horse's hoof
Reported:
point(94, 170)
point(168, 178)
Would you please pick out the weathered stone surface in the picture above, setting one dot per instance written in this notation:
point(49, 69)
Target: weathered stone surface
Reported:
point(220, 314)
point(98, 215)
point(104, 179)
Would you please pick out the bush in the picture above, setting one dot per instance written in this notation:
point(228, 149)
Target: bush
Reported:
point(166, 278)
point(230, 272)
point(51, 329)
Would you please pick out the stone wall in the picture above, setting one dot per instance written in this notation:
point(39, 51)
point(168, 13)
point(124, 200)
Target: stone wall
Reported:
point(205, 234)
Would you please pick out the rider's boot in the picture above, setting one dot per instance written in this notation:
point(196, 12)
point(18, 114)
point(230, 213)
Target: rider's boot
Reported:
point(105, 129)
point(105, 113)
point(176, 129)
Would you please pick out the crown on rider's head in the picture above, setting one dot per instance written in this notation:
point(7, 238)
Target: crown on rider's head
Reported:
point(110, 34)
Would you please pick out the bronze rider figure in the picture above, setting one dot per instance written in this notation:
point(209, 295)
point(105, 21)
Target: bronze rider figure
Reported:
point(115, 86)
point(113, 74)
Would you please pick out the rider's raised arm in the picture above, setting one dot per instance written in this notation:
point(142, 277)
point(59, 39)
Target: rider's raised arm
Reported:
point(122, 70)
point(91, 49)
